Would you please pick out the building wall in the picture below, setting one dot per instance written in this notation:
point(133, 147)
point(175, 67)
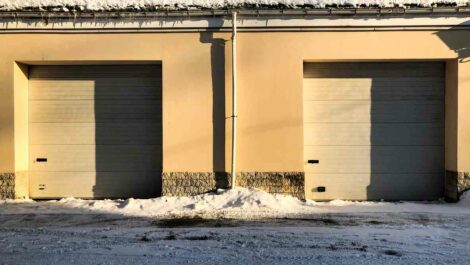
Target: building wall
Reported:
point(196, 82)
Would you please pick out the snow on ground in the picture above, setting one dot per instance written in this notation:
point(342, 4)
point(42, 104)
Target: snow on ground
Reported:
point(174, 230)
point(179, 4)
point(239, 203)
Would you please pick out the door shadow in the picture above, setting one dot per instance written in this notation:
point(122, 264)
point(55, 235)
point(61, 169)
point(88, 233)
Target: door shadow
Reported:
point(407, 130)
point(128, 131)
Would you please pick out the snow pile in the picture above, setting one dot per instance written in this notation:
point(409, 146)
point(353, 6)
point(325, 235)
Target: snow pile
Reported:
point(13, 201)
point(241, 201)
point(95, 5)
point(465, 199)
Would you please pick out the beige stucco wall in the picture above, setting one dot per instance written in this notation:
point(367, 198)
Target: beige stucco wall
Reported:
point(187, 85)
point(270, 69)
point(271, 86)
point(463, 140)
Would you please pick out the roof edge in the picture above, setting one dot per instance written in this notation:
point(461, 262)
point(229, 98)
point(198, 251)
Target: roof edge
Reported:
point(258, 12)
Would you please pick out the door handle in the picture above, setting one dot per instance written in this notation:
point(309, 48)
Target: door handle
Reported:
point(313, 161)
point(41, 159)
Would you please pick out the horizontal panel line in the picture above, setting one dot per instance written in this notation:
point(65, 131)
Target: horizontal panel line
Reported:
point(379, 87)
point(114, 121)
point(109, 120)
point(139, 121)
point(374, 100)
point(91, 82)
point(68, 97)
point(87, 96)
point(124, 98)
point(99, 144)
point(96, 123)
point(81, 101)
point(139, 145)
point(378, 123)
point(103, 99)
point(376, 173)
point(94, 94)
point(394, 145)
point(149, 171)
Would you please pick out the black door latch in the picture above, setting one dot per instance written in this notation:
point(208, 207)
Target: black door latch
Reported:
point(311, 161)
point(40, 159)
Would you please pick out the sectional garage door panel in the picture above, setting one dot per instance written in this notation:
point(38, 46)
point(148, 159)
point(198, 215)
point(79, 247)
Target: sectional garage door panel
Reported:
point(406, 111)
point(377, 130)
point(390, 70)
point(378, 159)
point(356, 186)
point(112, 157)
point(385, 134)
point(94, 110)
point(397, 88)
point(97, 124)
point(127, 88)
point(88, 133)
point(97, 184)
point(95, 72)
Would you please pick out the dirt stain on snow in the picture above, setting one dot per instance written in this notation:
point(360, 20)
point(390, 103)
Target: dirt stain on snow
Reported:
point(196, 221)
point(203, 237)
point(391, 252)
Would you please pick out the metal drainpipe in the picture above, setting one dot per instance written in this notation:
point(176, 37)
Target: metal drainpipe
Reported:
point(234, 97)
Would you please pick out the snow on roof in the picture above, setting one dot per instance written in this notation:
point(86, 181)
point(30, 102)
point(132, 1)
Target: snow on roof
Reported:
point(104, 5)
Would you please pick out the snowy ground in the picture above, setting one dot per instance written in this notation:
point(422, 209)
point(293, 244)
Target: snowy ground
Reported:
point(234, 227)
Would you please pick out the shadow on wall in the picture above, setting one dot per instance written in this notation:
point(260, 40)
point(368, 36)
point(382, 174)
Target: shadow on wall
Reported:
point(217, 61)
point(453, 38)
point(128, 131)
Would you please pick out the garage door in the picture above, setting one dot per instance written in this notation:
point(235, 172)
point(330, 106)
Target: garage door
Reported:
point(374, 130)
point(95, 131)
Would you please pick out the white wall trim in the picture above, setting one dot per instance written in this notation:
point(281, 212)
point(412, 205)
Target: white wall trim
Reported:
point(289, 23)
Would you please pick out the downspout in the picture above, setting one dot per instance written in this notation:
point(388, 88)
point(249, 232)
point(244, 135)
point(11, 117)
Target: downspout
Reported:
point(234, 98)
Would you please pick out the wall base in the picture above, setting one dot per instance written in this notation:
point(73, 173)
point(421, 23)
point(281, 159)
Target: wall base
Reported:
point(194, 183)
point(287, 183)
point(7, 186)
point(455, 184)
